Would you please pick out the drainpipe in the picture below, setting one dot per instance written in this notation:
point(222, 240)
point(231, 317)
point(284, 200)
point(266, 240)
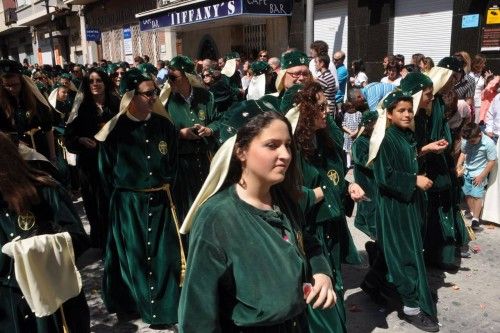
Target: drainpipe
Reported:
point(309, 24)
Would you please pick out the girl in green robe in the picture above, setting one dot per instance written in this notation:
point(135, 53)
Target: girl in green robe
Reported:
point(26, 192)
point(319, 143)
point(248, 257)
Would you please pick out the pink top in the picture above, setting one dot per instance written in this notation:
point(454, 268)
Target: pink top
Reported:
point(487, 95)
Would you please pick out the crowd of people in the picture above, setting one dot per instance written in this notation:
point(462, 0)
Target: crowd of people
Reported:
point(218, 190)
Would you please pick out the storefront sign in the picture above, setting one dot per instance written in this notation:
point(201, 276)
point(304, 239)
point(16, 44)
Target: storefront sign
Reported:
point(493, 15)
point(127, 40)
point(491, 40)
point(198, 12)
point(93, 35)
point(470, 21)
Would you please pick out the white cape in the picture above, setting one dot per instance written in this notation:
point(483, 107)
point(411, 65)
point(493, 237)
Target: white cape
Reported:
point(491, 208)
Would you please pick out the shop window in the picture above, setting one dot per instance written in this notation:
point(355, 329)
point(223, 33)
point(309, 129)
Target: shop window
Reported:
point(255, 39)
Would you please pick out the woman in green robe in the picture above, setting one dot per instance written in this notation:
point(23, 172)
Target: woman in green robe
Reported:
point(248, 257)
point(319, 143)
point(27, 192)
point(400, 227)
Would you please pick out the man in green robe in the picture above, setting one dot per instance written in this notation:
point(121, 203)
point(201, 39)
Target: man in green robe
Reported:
point(400, 225)
point(192, 111)
point(138, 164)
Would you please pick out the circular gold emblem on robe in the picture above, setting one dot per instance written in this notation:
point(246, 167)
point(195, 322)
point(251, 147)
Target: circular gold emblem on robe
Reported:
point(334, 176)
point(202, 115)
point(26, 221)
point(163, 147)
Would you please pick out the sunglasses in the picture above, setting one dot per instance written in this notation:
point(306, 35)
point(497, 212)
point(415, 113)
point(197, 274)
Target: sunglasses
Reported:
point(149, 93)
point(206, 75)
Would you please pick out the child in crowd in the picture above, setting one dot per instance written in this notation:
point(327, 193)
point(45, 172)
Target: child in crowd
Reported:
point(479, 154)
point(350, 125)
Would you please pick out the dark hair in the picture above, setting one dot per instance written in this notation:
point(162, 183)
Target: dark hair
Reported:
point(245, 135)
point(18, 181)
point(417, 58)
point(399, 58)
point(428, 63)
point(325, 59)
point(450, 100)
point(26, 97)
point(138, 59)
point(307, 98)
point(359, 66)
point(146, 58)
point(393, 105)
point(320, 47)
point(411, 68)
point(108, 86)
point(470, 131)
point(393, 65)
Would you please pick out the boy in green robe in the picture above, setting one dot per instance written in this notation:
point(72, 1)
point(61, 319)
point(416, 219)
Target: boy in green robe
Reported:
point(138, 161)
point(400, 224)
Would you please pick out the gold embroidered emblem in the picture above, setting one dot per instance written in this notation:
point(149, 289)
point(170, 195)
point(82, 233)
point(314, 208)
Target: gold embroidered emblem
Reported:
point(163, 147)
point(202, 115)
point(334, 176)
point(26, 221)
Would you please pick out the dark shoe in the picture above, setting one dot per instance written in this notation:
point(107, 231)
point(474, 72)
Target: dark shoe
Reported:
point(373, 293)
point(475, 225)
point(422, 321)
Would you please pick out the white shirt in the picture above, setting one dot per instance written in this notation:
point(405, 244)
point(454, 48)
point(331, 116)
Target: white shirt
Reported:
point(396, 82)
point(331, 67)
point(493, 118)
point(479, 88)
point(359, 79)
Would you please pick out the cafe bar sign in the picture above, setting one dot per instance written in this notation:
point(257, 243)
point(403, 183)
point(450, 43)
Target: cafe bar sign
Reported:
point(213, 10)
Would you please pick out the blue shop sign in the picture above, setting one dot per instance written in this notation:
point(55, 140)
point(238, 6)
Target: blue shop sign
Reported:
point(470, 21)
point(214, 10)
point(93, 35)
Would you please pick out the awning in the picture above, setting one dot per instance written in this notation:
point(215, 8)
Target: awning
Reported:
point(205, 11)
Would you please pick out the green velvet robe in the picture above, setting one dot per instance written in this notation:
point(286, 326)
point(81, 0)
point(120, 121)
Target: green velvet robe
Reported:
point(445, 226)
point(366, 212)
point(194, 155)
point(15, 315)
point(400, 225)
point(246, 267)
point(142, 259)
point(326, 220)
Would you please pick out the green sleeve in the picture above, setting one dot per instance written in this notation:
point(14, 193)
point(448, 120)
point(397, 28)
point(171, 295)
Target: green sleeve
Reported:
point(335, 132)
point(399, 183)
point(307, 200)
point(314, 253)
point(105, 166)
point(359, 150)
point(199, 300)
point(214, 115)
point(66, 216)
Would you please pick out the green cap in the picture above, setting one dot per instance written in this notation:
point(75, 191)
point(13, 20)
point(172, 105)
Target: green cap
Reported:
point(240, 113)
point(148, 69)
point(368, 117)
point(260, 67)
point(294, 58)
point(124, 65)
point(182, 63)
point(232, 55)
point(131, 80)
point(10, 67)
point(414, 82)
point(452, 63)
point(395, 96)
point(66, 76)
point(288, 99)
point(111, 69)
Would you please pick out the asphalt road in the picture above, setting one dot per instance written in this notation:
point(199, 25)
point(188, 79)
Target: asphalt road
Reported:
point(468, 300)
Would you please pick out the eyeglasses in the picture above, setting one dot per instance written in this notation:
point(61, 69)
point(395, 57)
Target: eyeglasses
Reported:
point(296, 75)
point(149, 93)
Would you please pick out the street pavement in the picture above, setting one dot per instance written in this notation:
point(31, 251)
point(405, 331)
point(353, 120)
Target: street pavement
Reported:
point(468, 300)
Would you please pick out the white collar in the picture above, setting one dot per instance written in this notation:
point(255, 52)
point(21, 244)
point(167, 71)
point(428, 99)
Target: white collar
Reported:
point(131, 117)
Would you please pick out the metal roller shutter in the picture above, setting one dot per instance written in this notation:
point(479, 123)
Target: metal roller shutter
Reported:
point(330, 25)
point(423, 26)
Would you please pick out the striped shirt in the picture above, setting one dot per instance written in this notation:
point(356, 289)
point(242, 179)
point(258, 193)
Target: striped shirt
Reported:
point(327, 82)
point(466, 88)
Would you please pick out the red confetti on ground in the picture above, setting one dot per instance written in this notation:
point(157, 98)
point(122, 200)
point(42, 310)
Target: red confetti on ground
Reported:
point(476, 249)
point(482, 306)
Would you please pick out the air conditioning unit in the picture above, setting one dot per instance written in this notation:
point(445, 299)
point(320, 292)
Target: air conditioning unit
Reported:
point(10, 16)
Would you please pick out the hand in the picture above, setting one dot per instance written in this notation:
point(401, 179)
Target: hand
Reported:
point(87, 142)
point(203, 131)
point(356, 192)
point(318, 193)
point(424, 183)
point(478, 180)
point(487, 74)
point(353, 134)
point(322, 291)
point(187, 133)
point(436, 147)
